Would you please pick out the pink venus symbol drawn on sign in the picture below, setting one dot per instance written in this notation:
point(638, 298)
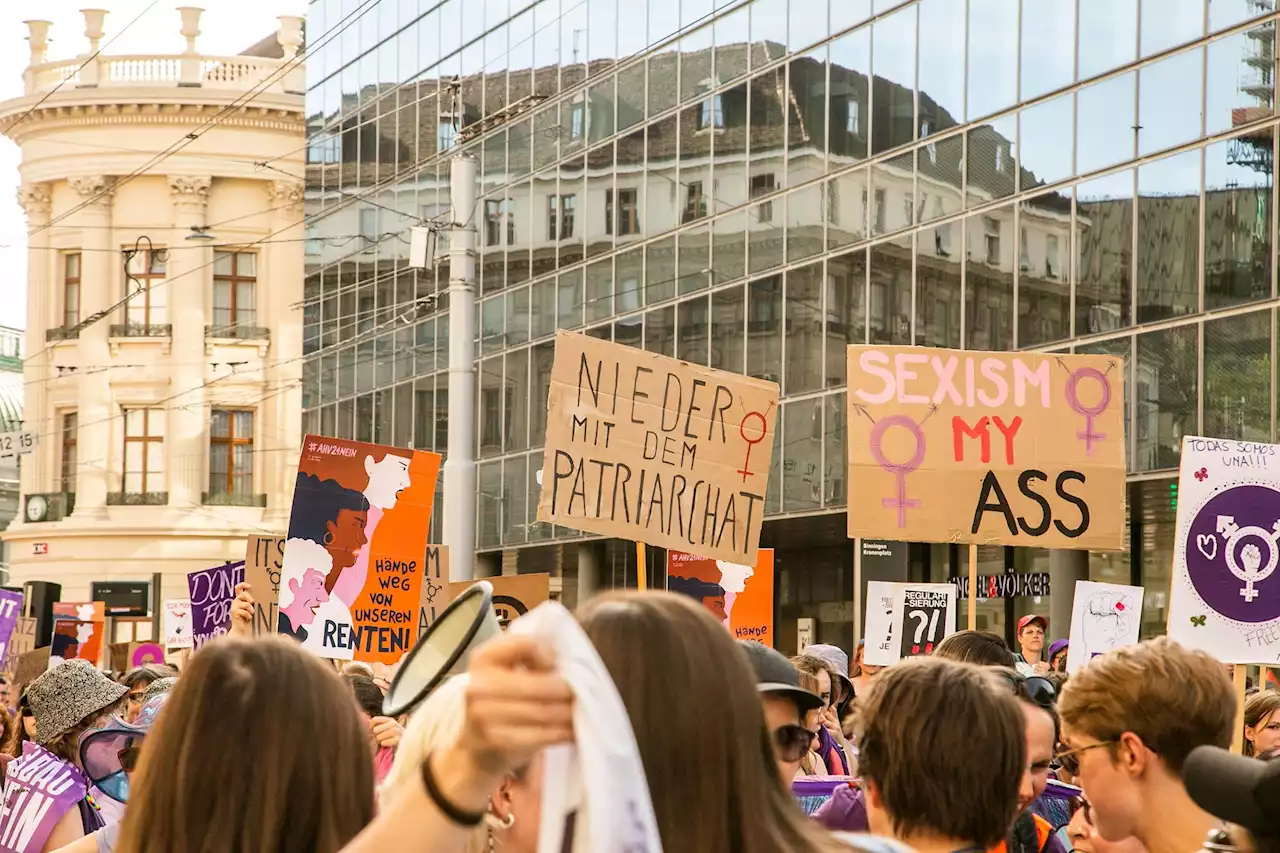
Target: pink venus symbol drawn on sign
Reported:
point(1088, 435)
point(900, 470)
point(763, 426)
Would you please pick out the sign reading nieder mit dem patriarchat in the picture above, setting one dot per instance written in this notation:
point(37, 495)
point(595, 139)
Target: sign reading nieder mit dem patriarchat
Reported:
point(649, 448)
point(986, 447)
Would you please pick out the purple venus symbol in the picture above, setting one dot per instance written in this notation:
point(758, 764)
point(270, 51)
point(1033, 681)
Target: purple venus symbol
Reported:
point(1073, 400)
point(900, 470)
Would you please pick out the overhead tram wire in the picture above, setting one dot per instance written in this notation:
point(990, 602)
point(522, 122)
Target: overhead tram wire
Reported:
point(47, 95)
point(224, 113)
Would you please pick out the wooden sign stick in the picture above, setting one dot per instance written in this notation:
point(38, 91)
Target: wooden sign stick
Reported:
point(973, 586)
point(642, 567)
point(1237, 738)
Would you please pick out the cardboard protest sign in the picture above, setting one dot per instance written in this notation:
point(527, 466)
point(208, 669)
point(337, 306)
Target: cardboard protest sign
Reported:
point(435, 581)
point(878, 623)
point(40, 789)
point(31, 666)
point(986, 447)
point(513, 595)
point(263, 563)
point(351, 577)
point(740, 597)
point(78, 629)
point(212, 592)
point(126, 656)
point(652, 449)
point(21, 641)
point(923, 614)
point(177, 623)
point(10, 611)
point(1104, 616)
point(1225, 594)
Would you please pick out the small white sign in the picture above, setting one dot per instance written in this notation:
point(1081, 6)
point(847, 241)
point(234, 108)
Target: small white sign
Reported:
point(878, 622)
point(177, 623)
point(804, 633)
point(17, 443)
point(1105, 616)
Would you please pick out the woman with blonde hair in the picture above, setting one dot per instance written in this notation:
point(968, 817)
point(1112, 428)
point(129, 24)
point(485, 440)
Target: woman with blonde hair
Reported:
point(1261, 723)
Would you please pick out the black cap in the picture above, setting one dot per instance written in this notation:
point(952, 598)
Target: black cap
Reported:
point(1239, 790)
point(776, 675)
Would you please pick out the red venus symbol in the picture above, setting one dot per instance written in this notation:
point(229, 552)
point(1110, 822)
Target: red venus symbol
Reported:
point(745, 470)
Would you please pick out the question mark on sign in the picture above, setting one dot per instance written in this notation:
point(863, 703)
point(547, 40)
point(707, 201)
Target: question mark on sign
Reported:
point(922, 619)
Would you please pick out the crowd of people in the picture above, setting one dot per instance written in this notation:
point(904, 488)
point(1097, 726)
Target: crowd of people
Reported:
point(257, 746)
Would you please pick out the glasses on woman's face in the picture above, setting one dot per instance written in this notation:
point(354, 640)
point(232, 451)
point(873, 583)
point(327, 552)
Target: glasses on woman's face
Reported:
point(1069, 759)
point(791, 741)
point(136, 697)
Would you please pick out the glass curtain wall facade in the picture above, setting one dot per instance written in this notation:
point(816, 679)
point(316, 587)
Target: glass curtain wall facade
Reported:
point(755, 185)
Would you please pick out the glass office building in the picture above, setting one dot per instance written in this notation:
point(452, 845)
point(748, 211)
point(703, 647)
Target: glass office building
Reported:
point(755, 185)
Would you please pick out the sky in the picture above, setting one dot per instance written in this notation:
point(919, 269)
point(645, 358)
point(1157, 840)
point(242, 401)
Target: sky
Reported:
point(227, 27)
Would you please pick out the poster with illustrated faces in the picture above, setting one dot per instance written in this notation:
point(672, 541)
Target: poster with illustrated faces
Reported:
point(739, 597)
point(1224, 598)
point(352, 569)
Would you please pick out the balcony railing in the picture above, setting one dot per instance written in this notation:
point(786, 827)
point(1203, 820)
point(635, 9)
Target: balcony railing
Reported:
point(236, 331)
point(141, 330)
point(232, 499)
point(137, 498)
point(61, 333)
point(207, 72)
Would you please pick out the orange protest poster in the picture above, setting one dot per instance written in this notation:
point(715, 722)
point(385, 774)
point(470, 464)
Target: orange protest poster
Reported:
point(739, 596)
point(78, 629)
point(351, 574)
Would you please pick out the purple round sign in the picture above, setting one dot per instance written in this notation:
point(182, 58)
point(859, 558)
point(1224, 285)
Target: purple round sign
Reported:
point(1233, 553)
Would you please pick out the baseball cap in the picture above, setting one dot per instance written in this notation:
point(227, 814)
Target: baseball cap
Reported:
point(1240, 790)
point(1027, 620)
point(776, 675)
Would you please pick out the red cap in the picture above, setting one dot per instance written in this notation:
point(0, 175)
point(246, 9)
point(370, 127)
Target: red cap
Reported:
point(1027, 620)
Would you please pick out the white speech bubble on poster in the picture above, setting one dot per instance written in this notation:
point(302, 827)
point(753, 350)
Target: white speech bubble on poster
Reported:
point(1104, 616)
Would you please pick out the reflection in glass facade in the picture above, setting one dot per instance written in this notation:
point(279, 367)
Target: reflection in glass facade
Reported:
point(755, 185)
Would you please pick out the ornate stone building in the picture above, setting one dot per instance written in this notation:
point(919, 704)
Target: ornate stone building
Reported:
point(163, 352)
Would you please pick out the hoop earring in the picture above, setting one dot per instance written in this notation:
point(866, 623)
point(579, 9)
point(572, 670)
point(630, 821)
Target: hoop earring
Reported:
point(328, 537)
point(492, 822)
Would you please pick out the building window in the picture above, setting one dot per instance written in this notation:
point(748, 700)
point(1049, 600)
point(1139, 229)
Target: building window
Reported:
point(695, 205)
point(67, 468)
point(369, 225)
point(627, 214)
point(560, 210)
point(763, 185)
point(1024, 253)
point(445, 134)
point(231, 453)
point(144, 288)
point(991, 238)
point(999, 158)
point(143, 451)
point(577, 121)
point(70, 289)
point(711, 113)
point(879, 212)
point(832, 196)
point(1051, 256)
point(235, 284)
point(909, 211)
point(941, 234)
point(495, 212)
point(853, 120)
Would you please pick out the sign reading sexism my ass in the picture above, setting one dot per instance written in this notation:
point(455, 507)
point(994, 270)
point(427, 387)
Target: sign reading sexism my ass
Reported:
point(989, 448)
point(649, 448)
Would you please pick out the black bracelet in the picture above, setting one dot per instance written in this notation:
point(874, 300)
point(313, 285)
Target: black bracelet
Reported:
point(451, 811)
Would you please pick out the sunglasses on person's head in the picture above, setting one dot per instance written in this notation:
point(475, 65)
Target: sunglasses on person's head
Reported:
point(1036, 688)
point(791, 741)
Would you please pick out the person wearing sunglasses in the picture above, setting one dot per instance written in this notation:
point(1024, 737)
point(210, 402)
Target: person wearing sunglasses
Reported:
point(1130, 719)
point(786, 705)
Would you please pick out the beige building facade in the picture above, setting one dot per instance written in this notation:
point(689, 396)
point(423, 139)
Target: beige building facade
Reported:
point(164, 330)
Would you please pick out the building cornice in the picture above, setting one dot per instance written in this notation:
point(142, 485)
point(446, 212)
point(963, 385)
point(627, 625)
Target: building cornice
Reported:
point(175, 112)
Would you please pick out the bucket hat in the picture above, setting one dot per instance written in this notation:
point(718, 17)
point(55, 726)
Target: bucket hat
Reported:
point(67, 694)
point(159, 687)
